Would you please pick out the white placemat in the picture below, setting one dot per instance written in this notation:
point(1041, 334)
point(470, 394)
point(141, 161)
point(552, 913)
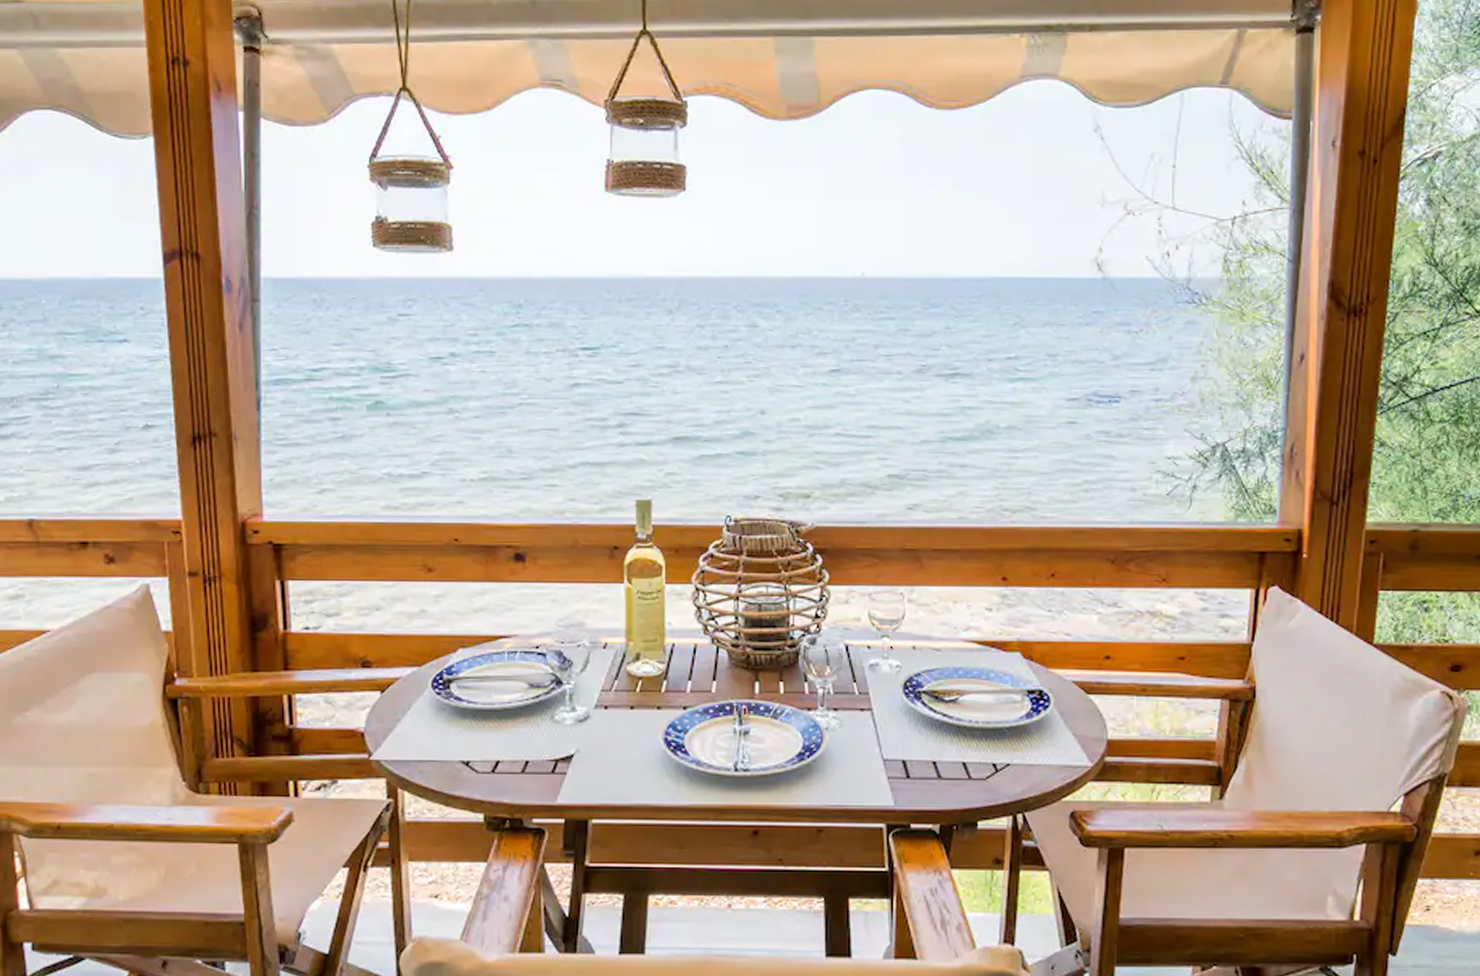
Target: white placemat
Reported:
point(432, 730)
point(624, 762)
point(906, 734)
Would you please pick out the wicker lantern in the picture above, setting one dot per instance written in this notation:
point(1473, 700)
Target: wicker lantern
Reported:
point(411, 190)
point(759, 590)
point(643, 158)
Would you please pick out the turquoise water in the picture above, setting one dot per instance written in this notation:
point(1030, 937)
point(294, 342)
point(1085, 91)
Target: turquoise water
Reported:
point(1000, 400)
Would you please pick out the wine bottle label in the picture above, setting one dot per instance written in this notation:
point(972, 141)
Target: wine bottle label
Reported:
point(645, 615)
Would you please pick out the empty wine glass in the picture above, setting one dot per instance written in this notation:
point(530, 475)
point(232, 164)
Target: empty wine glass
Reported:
point(886, 613)
point(569, 658)
point(822, 660)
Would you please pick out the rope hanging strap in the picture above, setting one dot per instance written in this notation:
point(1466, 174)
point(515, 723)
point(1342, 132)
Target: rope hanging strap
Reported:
point(403, 58)
point(643, 32)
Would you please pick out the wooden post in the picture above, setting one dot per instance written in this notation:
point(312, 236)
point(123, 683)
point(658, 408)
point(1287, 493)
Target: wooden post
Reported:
point(1362, 62)
point(192, 85)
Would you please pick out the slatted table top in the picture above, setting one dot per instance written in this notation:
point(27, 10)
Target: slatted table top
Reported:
point(924, 792)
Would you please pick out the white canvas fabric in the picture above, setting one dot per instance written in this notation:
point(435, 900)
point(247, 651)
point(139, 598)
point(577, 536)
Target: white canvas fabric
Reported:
point(779, 60)
point(82, 720)
point(446, 957)
point(1337, 725)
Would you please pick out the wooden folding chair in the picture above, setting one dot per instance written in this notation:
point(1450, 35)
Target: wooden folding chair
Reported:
point(1268, 876)
point(120, 861)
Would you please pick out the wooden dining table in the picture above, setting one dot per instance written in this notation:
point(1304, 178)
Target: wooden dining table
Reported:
point(951, 796)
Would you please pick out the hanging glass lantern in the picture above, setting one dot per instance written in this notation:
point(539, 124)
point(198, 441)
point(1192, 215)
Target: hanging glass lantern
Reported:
point(643, 159)
point(411, 190)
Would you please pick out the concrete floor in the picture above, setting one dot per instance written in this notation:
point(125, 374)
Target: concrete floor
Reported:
point(1427, 950)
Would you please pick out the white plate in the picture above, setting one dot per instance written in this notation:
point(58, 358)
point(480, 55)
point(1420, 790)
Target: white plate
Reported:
point(493, 696)
point(781, 738)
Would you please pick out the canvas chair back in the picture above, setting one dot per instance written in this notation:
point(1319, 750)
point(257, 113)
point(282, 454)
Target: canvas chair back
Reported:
point(1337, 725)
point(83, 720)
point(445, 957)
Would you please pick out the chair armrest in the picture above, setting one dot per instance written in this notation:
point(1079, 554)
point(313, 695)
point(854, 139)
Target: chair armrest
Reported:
point(1156, 684)
point(267, 684)
point(1147, 826)
point(178, 824)
point(507, 892)
point(925, 894)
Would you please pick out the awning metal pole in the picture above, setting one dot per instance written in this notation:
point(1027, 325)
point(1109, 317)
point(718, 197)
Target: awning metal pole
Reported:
point(249, 29)
point(1301, 123)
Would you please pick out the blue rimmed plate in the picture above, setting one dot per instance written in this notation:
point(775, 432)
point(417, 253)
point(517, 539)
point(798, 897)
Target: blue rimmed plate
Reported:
point(781, 738)
point(495, 695)
point(977, 712)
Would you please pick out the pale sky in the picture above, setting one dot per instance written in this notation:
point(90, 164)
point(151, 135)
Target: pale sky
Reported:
point(1023, 185)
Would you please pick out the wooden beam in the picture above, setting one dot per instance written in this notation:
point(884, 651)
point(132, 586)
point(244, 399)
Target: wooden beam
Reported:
point(89, 530)
point(1363, 53)
point(192, 83)
point(201, 936)
point(127, 559)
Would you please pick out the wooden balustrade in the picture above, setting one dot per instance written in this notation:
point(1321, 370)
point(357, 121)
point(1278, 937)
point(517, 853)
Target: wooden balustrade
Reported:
point(1400, 557)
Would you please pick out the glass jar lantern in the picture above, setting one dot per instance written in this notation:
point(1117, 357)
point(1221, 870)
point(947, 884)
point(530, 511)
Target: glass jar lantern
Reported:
point(643, 160)
point(411, 204)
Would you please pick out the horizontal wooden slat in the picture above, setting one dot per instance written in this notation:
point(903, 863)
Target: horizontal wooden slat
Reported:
point(1226, 659)
point(1163, 941)
point(590, 564)
point(786, 845)
point(1453, 573)
point(82, 559)
point(328, 742)
point(1466, 766)
point(1423, 540)
point(1152, 685)
point(131, 933)
point(1187, 772)
point(890, 538)
point(1211, 659)
point(280, 769)
point(262, 684)
point(89, 530)
point(15, 638)
point(1162, 748)
point(1165, 825)
point(1456, 665)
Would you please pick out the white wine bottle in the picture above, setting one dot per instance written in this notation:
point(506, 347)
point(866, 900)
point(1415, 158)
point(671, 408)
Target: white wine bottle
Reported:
point(643, 576)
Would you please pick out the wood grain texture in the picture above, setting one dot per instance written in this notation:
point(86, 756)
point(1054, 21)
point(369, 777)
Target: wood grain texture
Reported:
point(261, 936)
point(1104, 926)
point(1170, 942)
point(89, 530)
point(12, 950)
point(196, 935)
point(182, 824)
point(927, 897)
point(127, 559)
point(271, 683)
point(273, 769)
point(1363, 52)
point(191, 54)
point(1161, 685)
point(506, 892)
point(1148, 826)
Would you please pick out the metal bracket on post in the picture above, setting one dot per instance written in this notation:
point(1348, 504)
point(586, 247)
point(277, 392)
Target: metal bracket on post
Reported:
point(248, 23)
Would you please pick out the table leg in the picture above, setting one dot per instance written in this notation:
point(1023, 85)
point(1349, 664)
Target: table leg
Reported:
point(633, 939)
point(837, 935)
point(576, 836)
point(1012, 872)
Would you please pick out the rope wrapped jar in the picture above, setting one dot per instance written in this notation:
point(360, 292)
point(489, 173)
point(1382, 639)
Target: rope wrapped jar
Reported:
point(759, 590)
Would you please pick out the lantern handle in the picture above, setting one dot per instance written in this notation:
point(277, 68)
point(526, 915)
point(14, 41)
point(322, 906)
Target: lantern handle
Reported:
point(403, 58)
point(632, 53)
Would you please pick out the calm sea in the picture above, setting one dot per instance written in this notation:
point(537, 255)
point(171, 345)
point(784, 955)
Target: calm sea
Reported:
point(1006, 400)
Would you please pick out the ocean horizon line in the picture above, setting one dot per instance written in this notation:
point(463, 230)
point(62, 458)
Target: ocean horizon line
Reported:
point(51, 279)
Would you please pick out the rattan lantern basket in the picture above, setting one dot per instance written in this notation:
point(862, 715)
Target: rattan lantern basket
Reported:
point(759, 591)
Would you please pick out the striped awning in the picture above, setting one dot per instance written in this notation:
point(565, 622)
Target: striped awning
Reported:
point(780, 58)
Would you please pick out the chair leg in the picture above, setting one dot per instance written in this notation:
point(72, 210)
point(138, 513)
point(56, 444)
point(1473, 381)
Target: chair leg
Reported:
point(1012, 872)
point(12, 954)
point(354, 894)
point(400, 873)
point(1379, 904)
point(1106, 923)
point(262, 945)
point(633, 938)
point(1068, 933)
point(837, 934)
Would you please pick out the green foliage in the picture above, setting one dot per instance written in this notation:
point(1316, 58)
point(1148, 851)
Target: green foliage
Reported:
point(1426, 463)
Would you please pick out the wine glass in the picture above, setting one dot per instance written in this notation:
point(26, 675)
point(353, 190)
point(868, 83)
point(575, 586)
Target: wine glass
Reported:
point(822, 659)
point(569, 658)
point(886, 613)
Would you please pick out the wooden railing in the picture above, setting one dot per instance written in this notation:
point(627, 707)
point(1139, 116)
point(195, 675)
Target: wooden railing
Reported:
point(1223, 557)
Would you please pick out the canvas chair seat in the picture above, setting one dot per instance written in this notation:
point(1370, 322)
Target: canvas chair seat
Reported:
point(205, 877)
point(448, 957)
point(83, 720)
point(1337, 725)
